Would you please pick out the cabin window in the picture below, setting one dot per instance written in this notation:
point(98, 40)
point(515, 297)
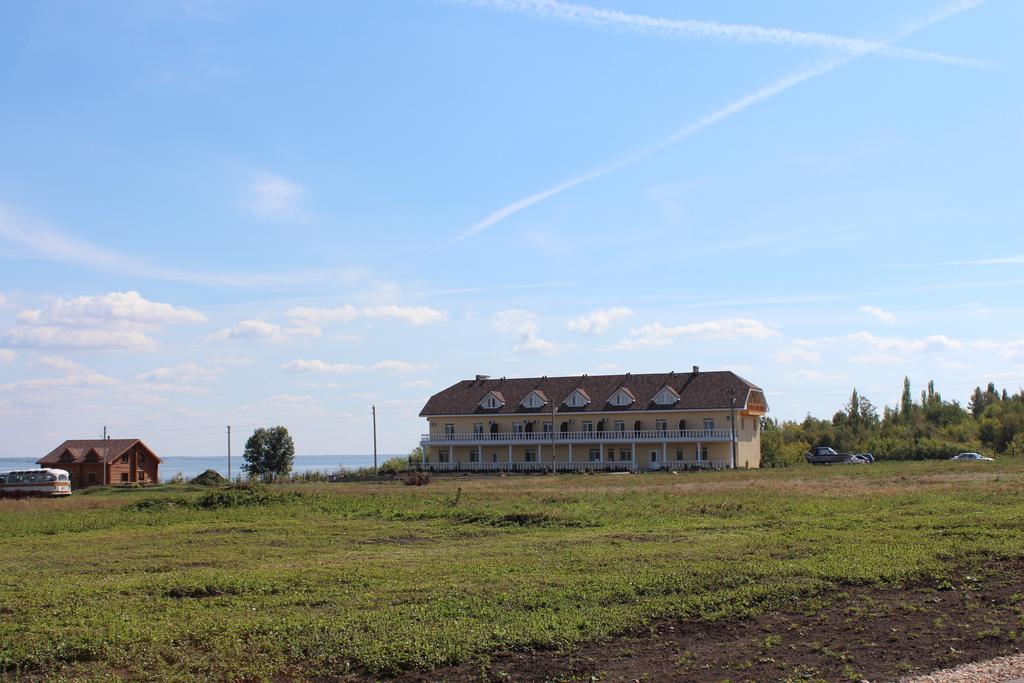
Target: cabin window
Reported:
point(142, 476)
point(124, 476)
point(142, 458)
point(124, 458)
point(709, 423)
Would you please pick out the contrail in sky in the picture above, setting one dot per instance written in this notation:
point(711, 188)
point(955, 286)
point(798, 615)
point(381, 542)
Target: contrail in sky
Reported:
point(713, 30)
point(734, 107)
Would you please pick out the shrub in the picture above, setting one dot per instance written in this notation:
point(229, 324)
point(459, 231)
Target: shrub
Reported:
point(209, 478)
point(417, 479)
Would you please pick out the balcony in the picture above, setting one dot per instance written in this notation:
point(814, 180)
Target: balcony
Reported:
point(542, 438)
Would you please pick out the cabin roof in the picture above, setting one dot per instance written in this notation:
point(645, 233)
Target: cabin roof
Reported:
point(108, 450)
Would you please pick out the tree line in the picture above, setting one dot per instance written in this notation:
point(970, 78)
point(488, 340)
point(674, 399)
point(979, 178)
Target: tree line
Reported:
point(929, 428)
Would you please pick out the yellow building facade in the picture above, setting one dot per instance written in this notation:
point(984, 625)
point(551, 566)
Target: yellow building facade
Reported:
point(706, 420)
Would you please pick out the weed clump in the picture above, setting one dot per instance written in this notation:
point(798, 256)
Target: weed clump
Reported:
point(242, 496)
point(209, 478)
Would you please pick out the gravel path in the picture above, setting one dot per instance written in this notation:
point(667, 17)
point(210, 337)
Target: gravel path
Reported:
point(999, 670)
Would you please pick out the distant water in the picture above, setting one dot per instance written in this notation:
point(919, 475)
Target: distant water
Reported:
point(193, 466)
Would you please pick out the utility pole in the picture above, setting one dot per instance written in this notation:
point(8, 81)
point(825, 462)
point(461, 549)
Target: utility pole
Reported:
point(103, 477)
point(374, 411)
point(732, 420)
point(229, 453)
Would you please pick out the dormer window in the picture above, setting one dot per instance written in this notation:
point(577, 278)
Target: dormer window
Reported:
point(492, 401)
point(577, 399)
point(666, 397)
point(622, 397)
point(535, 399)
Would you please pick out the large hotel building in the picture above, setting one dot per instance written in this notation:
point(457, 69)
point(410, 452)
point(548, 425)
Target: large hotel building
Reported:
point(596, 422)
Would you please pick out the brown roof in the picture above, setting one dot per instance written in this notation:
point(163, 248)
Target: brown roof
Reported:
point(696, 391)
point(110, 449)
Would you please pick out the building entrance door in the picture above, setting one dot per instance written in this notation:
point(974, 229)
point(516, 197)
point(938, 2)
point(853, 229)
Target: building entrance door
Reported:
point(655, 464)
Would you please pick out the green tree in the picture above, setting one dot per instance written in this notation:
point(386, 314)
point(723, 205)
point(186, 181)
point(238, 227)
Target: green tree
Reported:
point(906, 402)
point(269, 453)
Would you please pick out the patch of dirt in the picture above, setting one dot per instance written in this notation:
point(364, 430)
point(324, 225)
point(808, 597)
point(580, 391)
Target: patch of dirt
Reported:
point(856, 633)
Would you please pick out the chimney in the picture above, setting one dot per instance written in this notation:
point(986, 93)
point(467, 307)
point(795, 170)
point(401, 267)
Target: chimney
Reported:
point(696, 369)
point(480, 378)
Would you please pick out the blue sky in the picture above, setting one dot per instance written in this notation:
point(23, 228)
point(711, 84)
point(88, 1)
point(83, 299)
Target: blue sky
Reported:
point(252, 213)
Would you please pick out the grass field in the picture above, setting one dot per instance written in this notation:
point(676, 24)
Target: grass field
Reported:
point(306, 580)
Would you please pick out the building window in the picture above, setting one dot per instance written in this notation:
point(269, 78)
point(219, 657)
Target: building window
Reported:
point(478, 427)
point(588, 427)
point(494, 457)
point(595, 454)
point(142, 476)
point(611, 455)
point(531, 455)
point(442, 455)
point(702, 455)
point(474, 455)
point(620, 426)
point(547, 427)
point(92, 477)
point(124, 476)
point(124, 458)
point(709, 423)
point(449, 430)
point(679, 454)
point(142, 458)
point(517, 427)
point(661, 425)
point(625, 454)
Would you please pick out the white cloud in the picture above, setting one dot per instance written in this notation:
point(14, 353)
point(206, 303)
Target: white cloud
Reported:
point(878, 358)
point(118, 320)
point(936, 342)
point(271, 196)
point(880, 313)
point(319, 366)
point(598, 322)
point(797, 355)
point(250, 330)
point(524, 325)
point(400, 366)
point(418, 384)
point(3, 300)
point(115, 307)
point(412, 315)
point(187, 372)
point(7, 356)
point(713, 30)
point(63, 338)
point(657, 334)
point(57, 363)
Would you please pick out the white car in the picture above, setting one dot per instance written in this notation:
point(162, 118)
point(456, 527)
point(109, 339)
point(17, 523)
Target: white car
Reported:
point(970, 456)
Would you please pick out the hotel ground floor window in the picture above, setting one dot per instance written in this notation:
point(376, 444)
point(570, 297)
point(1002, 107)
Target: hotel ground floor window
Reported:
point(703, 453)
point(625, 454)
point(595, 454)
point(494, 457)
point(679, 454)
point(531, 455)
point(442, 455)
point(474, 455)
point(611, 455)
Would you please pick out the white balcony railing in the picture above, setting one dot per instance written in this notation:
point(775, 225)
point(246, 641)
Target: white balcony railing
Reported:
point(651, 435)
point(563, 466)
